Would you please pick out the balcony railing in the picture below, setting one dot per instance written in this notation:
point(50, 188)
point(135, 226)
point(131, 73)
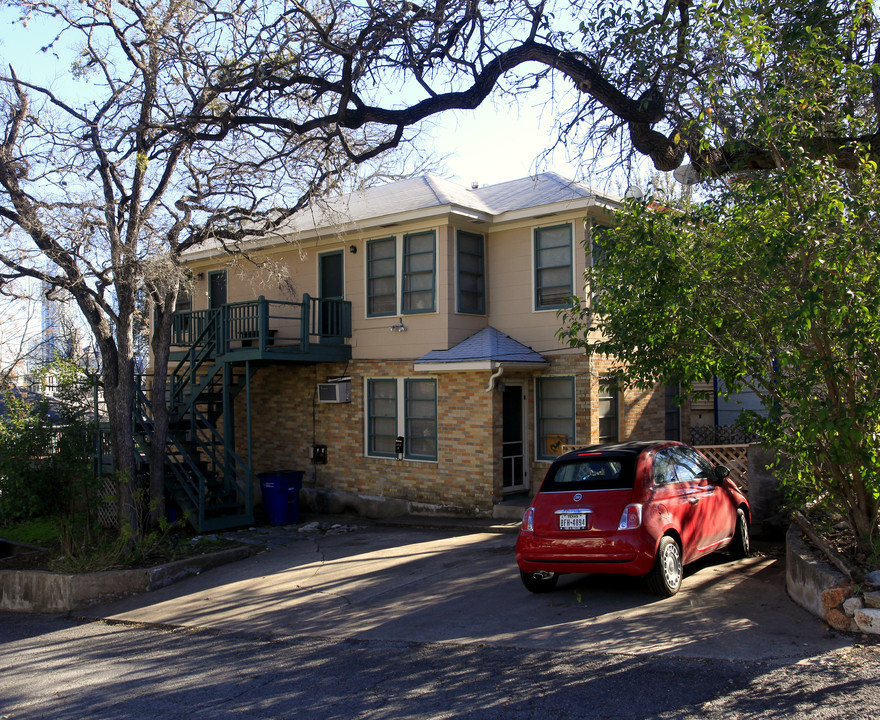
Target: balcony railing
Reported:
point(266, 325)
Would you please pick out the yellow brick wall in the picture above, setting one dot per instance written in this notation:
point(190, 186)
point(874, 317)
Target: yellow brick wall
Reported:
point(287, 420)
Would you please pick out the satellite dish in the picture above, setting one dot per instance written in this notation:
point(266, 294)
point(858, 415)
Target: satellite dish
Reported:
point(686, 175)
point(634, 192)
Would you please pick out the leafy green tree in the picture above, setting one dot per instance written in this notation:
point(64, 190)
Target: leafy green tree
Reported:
point(771, 281)
point(45, 454)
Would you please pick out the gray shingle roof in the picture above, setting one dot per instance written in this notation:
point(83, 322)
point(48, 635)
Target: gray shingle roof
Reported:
point(429, 191)
point(487, 344)
point(528, 192)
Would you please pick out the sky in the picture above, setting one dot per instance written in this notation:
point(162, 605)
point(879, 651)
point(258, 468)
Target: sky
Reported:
point(495, 143)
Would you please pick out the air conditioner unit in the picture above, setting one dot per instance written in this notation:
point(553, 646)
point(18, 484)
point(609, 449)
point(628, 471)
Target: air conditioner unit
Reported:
point(334, 392)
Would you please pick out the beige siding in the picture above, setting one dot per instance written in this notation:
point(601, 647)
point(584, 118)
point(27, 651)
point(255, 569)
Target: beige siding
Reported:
point(511, 266)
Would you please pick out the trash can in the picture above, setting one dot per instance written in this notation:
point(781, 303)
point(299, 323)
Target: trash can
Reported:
point(280, 490)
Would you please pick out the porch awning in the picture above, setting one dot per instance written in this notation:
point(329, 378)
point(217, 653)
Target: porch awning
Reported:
point(486, 350)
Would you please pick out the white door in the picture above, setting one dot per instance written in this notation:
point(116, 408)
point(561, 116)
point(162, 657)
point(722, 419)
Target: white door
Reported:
point(513, 440)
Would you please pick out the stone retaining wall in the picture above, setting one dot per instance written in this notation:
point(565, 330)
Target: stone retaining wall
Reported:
point(38, 591)
point(827, 593)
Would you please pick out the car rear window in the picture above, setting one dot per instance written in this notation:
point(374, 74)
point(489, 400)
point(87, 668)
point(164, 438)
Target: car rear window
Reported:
point(591, 473)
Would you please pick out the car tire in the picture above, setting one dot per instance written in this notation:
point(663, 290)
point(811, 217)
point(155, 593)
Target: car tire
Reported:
point(539, 582)
point(665, 577)
point(740, 546)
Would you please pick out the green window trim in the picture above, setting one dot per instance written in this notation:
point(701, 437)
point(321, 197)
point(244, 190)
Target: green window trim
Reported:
point(382, 420)
point(418, 273)
point(554, 271)
point(420, 419)
point(471, 273)
point(555, 410)
point(382, 277)
point(398, 407)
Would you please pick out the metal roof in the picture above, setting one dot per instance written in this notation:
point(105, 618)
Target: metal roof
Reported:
point(423, 196)
point(430, 191)
point(488, 344)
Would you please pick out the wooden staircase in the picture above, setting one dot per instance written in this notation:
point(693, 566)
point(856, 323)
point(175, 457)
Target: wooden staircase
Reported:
point(224, 347)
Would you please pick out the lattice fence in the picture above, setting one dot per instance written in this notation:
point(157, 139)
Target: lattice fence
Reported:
point(108, 511)
point(721, 435)
point(736, 457)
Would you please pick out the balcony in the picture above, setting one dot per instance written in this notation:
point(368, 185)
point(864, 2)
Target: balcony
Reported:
point(313, 330)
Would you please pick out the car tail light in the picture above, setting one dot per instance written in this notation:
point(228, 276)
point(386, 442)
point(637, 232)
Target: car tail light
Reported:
point(528, 521)
point(631, 518)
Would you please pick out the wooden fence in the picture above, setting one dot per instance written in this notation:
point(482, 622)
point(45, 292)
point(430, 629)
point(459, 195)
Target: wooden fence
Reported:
point(736, 457)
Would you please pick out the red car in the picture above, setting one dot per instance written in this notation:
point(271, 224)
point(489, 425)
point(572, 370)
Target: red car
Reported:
point(635, 508)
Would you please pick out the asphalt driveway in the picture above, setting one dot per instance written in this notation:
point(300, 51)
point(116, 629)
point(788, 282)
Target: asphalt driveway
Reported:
point(436, 586)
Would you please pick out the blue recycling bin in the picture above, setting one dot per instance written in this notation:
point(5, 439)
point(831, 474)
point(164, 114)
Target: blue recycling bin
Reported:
point(280, 490)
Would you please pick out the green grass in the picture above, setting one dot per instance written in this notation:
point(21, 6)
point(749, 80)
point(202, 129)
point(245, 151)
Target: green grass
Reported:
point(40, 531)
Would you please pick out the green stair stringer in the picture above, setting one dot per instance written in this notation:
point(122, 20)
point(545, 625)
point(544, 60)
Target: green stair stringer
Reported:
point(204, 476)
point(212, 488)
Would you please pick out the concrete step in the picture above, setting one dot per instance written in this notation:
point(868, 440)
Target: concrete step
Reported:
point(511, 508)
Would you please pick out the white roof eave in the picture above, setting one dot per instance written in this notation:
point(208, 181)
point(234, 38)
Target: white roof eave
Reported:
point(476, 366)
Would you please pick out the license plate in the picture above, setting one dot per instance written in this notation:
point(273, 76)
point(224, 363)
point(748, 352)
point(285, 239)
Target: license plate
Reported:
point(573, 521)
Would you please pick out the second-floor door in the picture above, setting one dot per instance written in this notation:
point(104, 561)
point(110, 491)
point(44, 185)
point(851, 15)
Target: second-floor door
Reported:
point(331, 286)
point(216, 289)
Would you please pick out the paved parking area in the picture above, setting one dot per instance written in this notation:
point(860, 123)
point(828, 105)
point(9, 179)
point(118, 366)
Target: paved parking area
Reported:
point(436, 586)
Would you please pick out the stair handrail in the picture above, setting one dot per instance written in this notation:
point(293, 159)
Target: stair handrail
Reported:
point(203, 348)
point(196, 493)
point(238, 467)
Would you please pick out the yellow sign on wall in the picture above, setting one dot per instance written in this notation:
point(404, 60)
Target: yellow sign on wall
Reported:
point(553, 444)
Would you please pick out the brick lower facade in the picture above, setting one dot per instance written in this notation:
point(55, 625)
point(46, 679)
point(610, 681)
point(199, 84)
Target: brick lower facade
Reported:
point(287, 420)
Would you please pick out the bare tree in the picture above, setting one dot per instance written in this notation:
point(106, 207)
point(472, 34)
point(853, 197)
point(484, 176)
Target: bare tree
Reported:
point(19, 337)
point(113, 186)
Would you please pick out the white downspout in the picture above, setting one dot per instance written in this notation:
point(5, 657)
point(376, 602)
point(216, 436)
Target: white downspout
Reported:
point(497, 374)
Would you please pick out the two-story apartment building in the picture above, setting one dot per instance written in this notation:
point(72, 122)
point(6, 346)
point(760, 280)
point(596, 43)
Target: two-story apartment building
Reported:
point(425, 366)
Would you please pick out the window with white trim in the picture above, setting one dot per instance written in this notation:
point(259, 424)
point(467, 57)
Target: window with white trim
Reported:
point(471, 267)
point(382, 277)
point(417, 290)
point(401, 274)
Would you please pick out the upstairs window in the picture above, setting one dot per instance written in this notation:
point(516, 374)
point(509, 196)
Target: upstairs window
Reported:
point(382, 277)
point(553, 267)
point(418, 273)
point(413, 261)
point(471, 263)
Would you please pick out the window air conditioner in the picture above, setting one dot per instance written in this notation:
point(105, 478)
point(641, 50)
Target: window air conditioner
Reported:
point(334, 392)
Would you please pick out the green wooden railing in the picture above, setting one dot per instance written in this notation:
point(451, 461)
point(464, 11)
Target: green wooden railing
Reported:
point(220, 345)
point(207, 477)
point(264, 324)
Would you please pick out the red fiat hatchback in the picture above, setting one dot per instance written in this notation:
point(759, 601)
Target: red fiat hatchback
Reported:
point(635, 508)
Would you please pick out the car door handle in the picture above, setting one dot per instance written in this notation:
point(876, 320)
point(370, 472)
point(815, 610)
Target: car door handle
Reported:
point(693, 501)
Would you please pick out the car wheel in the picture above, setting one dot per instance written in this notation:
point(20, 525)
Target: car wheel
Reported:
point(539, 582)
point(739, 546)
point(665, 577)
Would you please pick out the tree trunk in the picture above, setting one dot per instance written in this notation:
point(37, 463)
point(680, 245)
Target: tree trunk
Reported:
point(160, 343)
point(119, 397)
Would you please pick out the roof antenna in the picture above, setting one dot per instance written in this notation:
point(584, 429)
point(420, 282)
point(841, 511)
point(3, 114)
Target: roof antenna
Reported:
point(475, 185)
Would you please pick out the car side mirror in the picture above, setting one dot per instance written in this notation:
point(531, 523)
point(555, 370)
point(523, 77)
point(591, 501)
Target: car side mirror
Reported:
point(722, 471)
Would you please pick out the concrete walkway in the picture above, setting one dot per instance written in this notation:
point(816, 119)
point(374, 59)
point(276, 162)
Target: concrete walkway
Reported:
point(442, 585)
